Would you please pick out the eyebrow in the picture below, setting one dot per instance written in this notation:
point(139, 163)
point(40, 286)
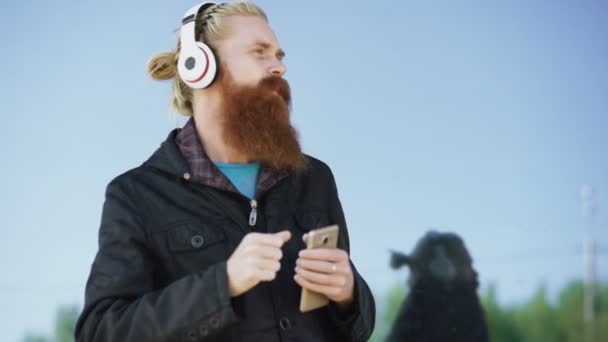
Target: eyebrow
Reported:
point(280, 53)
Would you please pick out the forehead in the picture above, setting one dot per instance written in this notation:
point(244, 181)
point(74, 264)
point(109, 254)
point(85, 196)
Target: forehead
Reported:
point(249, 30)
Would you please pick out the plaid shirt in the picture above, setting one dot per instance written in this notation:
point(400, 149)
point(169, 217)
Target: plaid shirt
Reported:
point(204, 170)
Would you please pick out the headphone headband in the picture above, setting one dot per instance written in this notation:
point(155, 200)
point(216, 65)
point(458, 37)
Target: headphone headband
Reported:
point(188, 30)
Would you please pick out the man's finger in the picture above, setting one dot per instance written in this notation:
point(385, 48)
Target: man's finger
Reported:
point(263, 251)
point(267, 265)
point(275, 240)
point(334, 254)
point(284, 235)
point(335, 280)
point(322, 266)
point(265, 275)
point(329, 291)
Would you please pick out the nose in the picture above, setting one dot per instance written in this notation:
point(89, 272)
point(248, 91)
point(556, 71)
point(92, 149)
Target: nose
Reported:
point(277, 68)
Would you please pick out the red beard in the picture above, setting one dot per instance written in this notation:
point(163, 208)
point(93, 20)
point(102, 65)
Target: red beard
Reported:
point(256, 122)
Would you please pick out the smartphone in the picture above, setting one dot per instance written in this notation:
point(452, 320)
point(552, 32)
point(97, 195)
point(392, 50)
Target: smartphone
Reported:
point(326, 237)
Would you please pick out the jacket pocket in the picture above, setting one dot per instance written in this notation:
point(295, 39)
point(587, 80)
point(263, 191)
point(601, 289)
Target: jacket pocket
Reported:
point(192, 246)
point(192, 237)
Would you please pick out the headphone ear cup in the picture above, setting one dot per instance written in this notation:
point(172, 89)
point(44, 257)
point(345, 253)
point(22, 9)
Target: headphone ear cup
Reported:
point(196, 65)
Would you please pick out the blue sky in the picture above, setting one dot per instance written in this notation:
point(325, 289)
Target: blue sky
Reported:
point(480, 118)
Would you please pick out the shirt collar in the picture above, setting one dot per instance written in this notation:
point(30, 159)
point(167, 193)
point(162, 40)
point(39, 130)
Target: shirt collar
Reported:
point(204, 170)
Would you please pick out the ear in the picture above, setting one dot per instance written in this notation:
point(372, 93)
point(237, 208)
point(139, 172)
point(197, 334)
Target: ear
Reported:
point(399, 259)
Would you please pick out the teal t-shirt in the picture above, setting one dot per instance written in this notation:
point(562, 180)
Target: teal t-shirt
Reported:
point(243, 176)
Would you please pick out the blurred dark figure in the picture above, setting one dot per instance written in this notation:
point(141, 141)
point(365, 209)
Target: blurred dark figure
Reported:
point(442, 304)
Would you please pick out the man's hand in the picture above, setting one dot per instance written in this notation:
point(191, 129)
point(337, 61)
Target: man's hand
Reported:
point(326, 271)
point(256, 259)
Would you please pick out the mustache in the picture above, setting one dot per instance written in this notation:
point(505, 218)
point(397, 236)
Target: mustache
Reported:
point(278, 84)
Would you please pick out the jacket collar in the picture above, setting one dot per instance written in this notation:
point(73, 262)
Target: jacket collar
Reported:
point(167, 157)
point(182, 154)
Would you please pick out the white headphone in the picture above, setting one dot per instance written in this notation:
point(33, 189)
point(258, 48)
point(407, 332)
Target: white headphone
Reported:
point(196, 64)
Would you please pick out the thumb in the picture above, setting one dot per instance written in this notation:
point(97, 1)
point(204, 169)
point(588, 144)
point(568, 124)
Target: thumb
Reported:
point(284, 235)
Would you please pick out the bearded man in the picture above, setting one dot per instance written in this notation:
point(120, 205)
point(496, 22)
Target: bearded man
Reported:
point(205, 240)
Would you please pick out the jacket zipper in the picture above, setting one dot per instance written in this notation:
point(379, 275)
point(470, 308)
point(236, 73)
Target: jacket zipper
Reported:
point(253, 204)
point(253, 215)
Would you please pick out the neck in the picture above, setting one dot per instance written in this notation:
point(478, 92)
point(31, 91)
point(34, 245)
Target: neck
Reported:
point(207, 117)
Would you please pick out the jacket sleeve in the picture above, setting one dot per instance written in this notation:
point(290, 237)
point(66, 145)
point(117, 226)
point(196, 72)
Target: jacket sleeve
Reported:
point(122, 302)
point(358, 322)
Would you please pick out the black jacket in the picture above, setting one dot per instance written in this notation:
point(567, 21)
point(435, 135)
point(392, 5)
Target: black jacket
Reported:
point(160, 271)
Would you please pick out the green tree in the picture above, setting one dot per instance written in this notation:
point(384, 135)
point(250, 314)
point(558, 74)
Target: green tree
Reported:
point(387, 311)
point(33, 338)
point(500, 321)
point(570, 312)
point(538, 320)
point(65, 322)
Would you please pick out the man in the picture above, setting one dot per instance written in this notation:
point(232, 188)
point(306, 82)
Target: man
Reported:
point(204, 240)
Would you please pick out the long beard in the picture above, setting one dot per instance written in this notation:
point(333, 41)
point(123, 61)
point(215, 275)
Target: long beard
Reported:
point(256, 122)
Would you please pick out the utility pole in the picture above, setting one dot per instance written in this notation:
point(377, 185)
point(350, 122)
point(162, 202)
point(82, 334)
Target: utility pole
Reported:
point(588, 211)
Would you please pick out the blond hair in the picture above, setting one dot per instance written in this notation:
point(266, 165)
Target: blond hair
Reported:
point(163, 65)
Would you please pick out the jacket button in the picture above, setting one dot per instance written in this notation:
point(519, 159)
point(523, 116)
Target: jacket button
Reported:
point(284, 323)
point(186, 176)
point(204, 331)
point(214, 322)
point(192, 336)
point(197, 241)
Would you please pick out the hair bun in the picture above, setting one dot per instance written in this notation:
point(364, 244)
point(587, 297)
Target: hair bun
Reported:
point(162, 66)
